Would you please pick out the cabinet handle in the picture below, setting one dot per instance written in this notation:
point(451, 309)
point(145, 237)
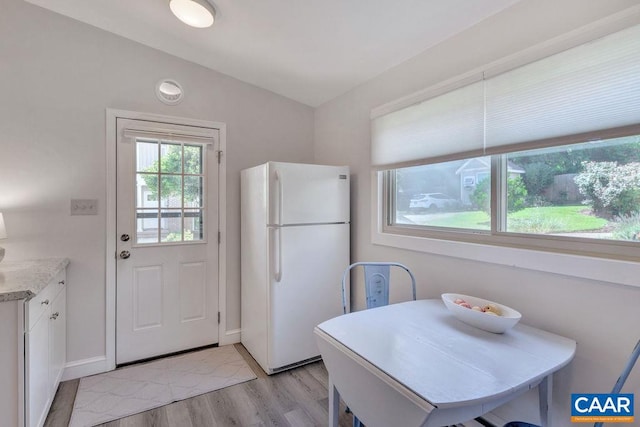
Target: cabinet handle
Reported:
point(61, 282)
point(45, 302)
point(54, 316)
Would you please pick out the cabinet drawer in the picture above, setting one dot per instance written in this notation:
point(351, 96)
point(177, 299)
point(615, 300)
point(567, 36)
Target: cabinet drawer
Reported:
point(41, 302)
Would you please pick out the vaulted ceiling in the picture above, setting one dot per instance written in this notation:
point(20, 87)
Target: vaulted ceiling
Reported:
point(307, 50)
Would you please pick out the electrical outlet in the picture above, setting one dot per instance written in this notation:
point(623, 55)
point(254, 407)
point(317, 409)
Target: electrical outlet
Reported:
point(84, 206)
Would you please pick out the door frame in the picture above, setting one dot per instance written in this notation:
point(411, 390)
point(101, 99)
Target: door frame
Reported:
point(112, 115)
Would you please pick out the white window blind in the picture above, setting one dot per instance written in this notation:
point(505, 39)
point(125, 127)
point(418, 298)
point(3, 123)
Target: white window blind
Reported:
point(591, 87)
point(452, 122)
point(171, 132)
point(168, 136)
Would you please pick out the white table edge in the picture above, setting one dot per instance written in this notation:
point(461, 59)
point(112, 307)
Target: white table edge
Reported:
point(409, 394)
point(543, 381)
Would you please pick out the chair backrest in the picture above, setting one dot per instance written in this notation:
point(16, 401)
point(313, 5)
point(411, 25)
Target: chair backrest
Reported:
point(625, 373)
point(376, 278)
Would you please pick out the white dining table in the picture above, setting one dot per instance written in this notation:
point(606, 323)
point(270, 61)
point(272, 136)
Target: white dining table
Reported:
point(415, 364)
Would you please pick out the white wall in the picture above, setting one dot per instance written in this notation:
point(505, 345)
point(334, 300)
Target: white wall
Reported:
point(57, 77)
point(602, 317)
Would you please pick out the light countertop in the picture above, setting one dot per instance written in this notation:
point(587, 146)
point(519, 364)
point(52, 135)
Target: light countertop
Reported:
point(24, 279)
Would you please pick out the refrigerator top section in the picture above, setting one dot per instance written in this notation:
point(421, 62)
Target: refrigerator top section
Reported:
point(302, 194)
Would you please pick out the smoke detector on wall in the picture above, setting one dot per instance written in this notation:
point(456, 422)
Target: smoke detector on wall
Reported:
point(169, 91)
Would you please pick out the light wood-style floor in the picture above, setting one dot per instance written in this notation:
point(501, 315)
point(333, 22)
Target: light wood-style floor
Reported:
point(297, 397)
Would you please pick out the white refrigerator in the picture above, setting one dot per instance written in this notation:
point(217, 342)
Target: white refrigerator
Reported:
point(295, 248)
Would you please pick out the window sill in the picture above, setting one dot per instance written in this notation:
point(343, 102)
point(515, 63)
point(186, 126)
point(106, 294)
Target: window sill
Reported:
point(616, 271)
point(585, 267)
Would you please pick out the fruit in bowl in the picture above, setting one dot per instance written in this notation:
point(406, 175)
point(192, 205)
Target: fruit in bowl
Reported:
point(489, 308)
point(484, 314)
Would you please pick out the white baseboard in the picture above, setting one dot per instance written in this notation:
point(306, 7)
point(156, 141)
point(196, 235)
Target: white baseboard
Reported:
point(85, 367)
point(230, 337)
point(99, 364)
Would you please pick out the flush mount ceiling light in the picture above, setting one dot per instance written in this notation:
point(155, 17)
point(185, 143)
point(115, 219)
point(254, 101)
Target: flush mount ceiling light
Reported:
point(196, 13)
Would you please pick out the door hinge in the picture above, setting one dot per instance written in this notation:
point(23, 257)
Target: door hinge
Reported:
point(219, 152)
point(219, 237)
point(218, 318)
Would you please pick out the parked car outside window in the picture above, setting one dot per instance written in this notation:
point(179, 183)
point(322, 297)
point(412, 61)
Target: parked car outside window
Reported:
point(433, 201)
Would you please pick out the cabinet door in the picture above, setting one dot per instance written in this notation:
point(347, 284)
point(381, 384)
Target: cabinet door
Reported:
point(57, 340)
point(37, 371)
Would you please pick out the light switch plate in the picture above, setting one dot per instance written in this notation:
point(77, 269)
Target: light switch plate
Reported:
point(84, 206)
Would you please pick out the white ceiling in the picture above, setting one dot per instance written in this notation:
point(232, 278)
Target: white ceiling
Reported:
point(307, 50)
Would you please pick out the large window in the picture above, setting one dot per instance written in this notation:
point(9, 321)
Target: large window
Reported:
point(544, 155)
point(584, 190)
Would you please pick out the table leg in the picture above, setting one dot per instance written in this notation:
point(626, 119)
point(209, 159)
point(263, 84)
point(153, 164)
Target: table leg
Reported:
point(334, 404)
point(544, 395)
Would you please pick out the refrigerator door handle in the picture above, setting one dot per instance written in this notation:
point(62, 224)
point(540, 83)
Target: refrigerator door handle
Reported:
point(278, 251)
point(280, 196)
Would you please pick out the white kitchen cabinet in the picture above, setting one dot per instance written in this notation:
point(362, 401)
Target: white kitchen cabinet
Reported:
point(57, 341)
point(33, 332)
point(45, 343)
point(37, 371)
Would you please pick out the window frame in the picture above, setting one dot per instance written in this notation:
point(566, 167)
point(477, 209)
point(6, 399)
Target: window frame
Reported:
point(482, 248)
point(613, 261)
point(497, 235)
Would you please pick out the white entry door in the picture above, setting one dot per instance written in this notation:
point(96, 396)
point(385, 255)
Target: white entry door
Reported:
point(167, 239)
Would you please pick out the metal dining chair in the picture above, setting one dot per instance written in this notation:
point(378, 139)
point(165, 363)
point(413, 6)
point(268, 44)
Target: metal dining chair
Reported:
point(616, 388)
point(376, 279)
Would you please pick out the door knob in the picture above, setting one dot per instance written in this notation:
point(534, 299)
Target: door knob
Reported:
point(124, 237)
point(125, 254)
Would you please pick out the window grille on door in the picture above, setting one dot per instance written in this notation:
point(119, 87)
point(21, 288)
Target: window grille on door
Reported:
point(169, 189)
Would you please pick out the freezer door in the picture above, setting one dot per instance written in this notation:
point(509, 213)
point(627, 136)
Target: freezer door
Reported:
point(313, 259)
point(308, 194)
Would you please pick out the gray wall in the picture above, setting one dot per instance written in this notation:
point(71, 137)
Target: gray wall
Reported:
point(57, 77)
point(602, 317)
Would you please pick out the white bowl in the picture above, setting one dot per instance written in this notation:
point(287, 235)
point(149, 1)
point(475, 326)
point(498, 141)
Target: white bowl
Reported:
point(485, 321)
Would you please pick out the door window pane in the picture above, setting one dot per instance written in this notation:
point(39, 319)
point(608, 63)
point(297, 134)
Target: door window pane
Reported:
point(171, 225)
point(147, 191)
point(171, 191)
point(146, 156)
point(193, 159)
point(192, 191)
point(171, 158)
point(193, 219)
point(454, 194)
point(146, 226)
